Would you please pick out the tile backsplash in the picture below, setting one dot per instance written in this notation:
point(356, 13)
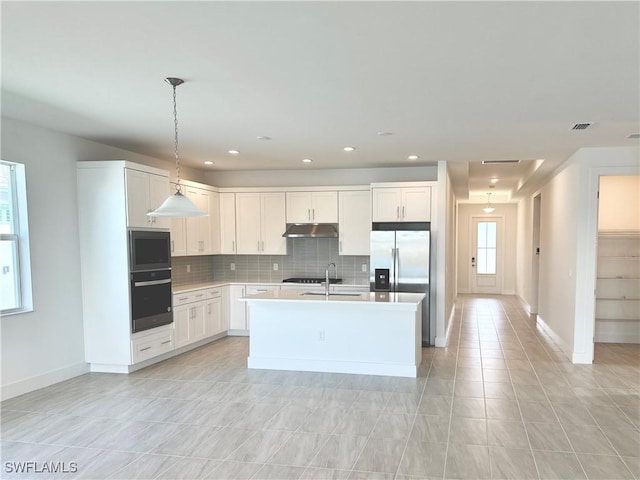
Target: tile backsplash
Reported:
point(308, 257)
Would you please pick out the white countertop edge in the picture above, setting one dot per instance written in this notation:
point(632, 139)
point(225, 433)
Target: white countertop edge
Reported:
point(407, 301)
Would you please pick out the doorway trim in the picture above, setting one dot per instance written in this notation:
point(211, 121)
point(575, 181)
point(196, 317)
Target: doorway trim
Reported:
point(585, 300)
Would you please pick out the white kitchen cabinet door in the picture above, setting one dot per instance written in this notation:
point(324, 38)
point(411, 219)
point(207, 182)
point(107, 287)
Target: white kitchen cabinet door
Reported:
point(145, 192)
point(416, 204)
point(386, 204)
point(178, 237)
point(198, 229)
point(312, 207)
point(273, 224)
point(237, 309)
point(159, 191)
point(214, 223)
point(227, 223)
point(354, 227)
point(213, 316)
point(198, 322)
point(248, 230)
point(181, 317)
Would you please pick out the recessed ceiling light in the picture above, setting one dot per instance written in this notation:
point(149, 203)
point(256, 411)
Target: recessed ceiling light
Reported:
point(495, 180)
point(234, 152)
point(384, 134)
point(349, 149)
point(413, 157)
point(208, 162)
point(307, 160)
point(263, 137)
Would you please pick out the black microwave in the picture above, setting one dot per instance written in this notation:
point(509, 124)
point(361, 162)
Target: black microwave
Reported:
point(149, 250)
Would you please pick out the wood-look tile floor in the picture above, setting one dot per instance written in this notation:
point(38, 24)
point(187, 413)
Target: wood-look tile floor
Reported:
point(501, 402)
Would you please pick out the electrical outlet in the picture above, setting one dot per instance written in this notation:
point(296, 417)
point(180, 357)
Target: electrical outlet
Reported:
point(364, 267)
point(232, 266)
point(275, 267)
point(188, 268)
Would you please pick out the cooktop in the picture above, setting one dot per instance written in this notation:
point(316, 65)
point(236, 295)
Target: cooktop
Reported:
point(310, 280)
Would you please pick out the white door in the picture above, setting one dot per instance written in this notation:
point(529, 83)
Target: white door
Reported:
point(416, 204)
point(273, 224)
point(486, 255)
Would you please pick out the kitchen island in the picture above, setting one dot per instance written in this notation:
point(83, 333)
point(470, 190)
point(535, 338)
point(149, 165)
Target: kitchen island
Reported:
point(364, 333)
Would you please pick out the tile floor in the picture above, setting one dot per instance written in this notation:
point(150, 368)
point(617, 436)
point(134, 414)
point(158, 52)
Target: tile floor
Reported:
point(500, 402)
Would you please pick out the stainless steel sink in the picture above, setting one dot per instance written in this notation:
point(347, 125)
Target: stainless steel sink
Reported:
point(333, 294)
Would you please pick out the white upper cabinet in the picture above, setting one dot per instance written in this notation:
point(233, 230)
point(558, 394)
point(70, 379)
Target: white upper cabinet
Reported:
point(227, 223)
point(145, 192)
point(354, 222)
point(197, 235)
point(401, 204)
point(312, 207)
point(260, 223)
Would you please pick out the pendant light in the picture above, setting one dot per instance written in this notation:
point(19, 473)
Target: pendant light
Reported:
point(177, 205)
point(488, 208)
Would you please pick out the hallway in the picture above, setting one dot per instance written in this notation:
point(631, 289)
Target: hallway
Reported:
point(500, 402)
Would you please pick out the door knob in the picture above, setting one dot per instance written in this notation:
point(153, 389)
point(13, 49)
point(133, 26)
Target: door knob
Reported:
point(473, 261)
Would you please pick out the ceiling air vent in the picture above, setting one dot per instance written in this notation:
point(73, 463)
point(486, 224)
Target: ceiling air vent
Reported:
point(581, 126)
point(499, 162)
point(634, 135)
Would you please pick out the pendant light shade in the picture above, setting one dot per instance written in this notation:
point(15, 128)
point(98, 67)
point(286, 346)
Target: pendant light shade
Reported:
point(488, 208)
point(177, 205)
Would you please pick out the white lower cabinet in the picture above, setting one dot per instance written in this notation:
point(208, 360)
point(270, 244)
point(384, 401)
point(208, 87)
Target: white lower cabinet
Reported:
point(197, 315)
point(146, 345)
point(237, 310)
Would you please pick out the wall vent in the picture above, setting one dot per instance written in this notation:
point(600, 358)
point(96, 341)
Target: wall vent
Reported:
point(498, 162)
point(581, 126)
point(634, 135)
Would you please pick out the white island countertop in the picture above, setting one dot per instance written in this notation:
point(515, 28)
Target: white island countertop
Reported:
point(395, 300)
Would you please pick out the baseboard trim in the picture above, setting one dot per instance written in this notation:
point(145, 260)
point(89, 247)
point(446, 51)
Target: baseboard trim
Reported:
point(617, 337)
point(443, 341)
point(524, 304)
point(37, 382)
point(555, 338)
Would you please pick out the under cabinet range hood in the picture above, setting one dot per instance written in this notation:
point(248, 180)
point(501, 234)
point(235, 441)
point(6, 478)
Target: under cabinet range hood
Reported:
point(311, 230)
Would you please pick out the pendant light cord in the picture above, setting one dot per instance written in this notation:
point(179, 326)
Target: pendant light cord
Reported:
point(175, 123)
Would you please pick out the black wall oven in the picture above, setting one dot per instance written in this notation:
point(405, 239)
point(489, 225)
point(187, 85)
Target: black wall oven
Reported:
point(150, 279)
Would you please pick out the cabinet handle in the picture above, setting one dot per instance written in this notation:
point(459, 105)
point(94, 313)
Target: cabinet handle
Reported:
point(209, 308)
point(145, 348)
point(258, 245)
point(233, 245)
point(201, 295)
point(263, 245)
point(308, 214)
point(403, 211)
point(172, 247)
point(313, 214)
point(341, 245)
point(398, 212)
point(165, 342)
point(183, 298)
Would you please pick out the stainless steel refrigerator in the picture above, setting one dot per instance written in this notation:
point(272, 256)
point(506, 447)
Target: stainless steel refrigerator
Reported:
point(400, 263)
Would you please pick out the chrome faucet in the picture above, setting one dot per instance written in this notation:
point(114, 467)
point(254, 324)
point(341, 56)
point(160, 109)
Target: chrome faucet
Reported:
point(326, 278)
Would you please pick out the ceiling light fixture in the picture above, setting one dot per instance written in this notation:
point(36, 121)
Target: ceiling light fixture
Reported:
point(263, 137)
point(208, 162)
point(413, 157)
point(384, 134)
point(234, 152)
point(307, 160)
point(488, 208)
point(495, 180)
point(177, 205)
point(349, 149)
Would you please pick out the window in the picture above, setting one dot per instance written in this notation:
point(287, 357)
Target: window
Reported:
point(487, 247)
point(15, 278)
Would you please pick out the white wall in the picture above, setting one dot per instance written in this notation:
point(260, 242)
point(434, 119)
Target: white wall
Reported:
point(47, 345)
point(568, 237)
point(509, 214)
point(313, 177)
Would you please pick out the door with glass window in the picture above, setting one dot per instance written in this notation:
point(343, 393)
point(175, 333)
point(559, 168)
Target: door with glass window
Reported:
point(485, 259)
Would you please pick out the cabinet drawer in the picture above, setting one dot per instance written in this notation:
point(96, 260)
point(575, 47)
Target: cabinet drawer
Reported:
point(214, 293)
point(152, 345)
point(189, 297)
point(253, 289)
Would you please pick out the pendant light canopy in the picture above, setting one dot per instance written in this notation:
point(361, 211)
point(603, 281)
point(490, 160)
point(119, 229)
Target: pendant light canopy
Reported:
point(177, 205)
point(488, 208)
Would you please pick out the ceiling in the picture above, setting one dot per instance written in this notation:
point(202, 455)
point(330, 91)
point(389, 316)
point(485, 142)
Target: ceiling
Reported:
point(456, 81)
